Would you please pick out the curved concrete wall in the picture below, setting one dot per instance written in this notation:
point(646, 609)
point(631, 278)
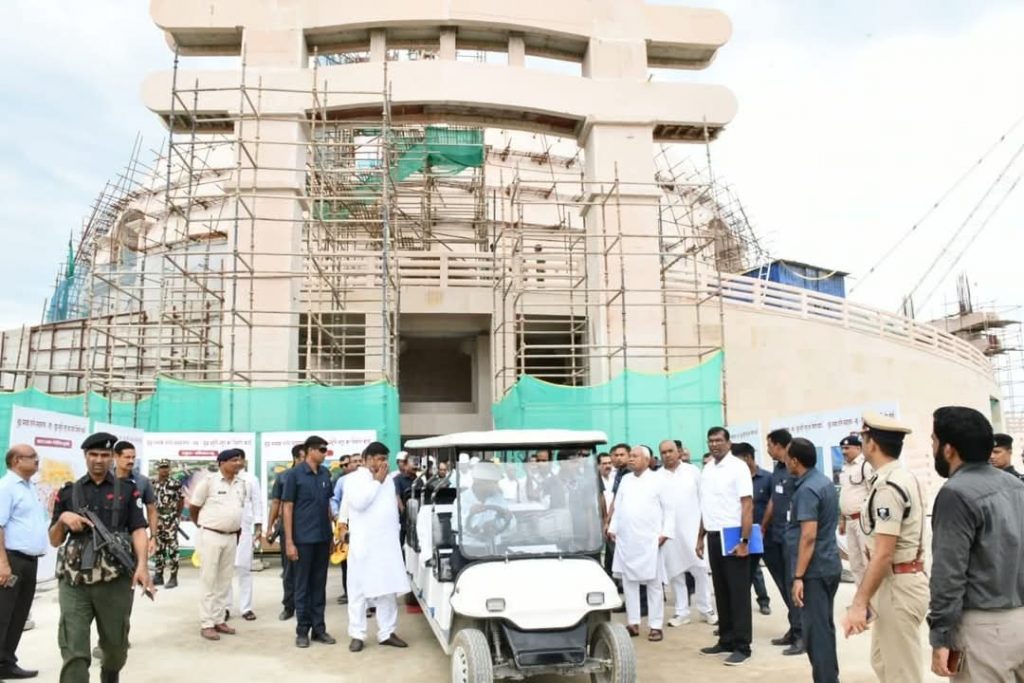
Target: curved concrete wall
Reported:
point(777, 365)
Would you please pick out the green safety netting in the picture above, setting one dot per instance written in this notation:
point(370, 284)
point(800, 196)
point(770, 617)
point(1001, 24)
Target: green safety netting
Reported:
point(187, 407)
point(632, 408)
point(442, 150)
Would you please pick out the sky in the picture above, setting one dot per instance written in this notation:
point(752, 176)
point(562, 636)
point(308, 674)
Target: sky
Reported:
point(855, 117)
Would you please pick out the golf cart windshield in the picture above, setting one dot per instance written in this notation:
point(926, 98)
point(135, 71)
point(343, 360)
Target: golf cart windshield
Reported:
point(516, 508)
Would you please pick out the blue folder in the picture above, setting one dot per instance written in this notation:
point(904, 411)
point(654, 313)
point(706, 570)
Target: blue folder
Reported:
point(731, 538)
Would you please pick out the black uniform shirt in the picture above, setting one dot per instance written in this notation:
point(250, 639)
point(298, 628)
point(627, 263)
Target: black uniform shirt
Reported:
point(977, 547)
point(310, 492)
point(782, 491)
point(99, 498)
point(815, 500)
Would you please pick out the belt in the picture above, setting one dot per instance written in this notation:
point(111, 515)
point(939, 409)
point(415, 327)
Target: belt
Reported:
point(855, 515)
point(24, 556)
point(912, 567)
point(218, 531)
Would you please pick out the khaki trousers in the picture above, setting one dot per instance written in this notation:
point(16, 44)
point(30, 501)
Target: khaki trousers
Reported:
point(993, 646)
point(857, 549)
point(901, 604)
point(216, 567)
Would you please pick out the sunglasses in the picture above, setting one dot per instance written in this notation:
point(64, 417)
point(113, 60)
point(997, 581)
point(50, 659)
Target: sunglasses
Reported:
point(322, 449)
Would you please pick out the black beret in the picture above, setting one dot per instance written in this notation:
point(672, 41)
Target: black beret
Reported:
point(230, 454)
point(1003, 441)
point(852, 440)
point(100, 441)
point(164, 462)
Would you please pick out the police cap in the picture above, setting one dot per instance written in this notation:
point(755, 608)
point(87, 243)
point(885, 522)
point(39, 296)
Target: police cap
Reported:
point(230, 454)
point(160, 464)
point(100, 441)
point(1003, 441)
point(852, 440)
point(876, 422)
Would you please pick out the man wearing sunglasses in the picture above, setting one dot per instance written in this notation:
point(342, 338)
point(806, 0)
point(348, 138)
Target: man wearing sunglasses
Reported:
point(308, 533)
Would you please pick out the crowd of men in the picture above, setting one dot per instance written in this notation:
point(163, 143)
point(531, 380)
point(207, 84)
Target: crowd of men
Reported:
point(667, 523)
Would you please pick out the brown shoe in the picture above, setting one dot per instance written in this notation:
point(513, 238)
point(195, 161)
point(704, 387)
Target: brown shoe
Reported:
point(224, 628)
point(249, 616)
point(394, 641)
point(633, 631)
point(655, 635)
point(209, 633)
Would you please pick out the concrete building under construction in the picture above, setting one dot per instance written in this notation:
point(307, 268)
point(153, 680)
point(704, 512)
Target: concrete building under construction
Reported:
point(393, 191)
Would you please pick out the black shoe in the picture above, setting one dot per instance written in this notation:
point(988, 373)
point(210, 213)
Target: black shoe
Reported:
point(109, 676)
point(325, 638)
point(796, 648)
point(302, 641)
point(342, 599)
point(173, 581)
point(715, 649)
point(15, 671)
point(355, 646)
point(736, 659)
point(158, 579)
point(394, 641)
point(784, 640)
point(765, 609)
point(286, 614)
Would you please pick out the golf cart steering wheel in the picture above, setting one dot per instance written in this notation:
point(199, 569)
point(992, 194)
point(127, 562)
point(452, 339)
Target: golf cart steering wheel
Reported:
point(491, 527)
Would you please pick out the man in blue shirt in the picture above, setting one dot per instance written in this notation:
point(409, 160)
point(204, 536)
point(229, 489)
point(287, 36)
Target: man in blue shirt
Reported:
point(23, 540)
point(308, 534)
point(814, 554)
point(349, 463)
point(762, 482)
point(773, 528)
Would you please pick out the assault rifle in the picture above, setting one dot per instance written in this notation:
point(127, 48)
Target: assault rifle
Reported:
point(103, 538)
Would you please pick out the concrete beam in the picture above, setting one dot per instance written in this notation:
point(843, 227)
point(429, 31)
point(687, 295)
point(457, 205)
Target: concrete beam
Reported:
point(484, 94)
point(680, 37)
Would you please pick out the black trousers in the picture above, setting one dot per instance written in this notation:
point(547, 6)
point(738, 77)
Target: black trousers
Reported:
point(731, 579)
point(776, 558)
point(344, 576)
point(287, 576)
point(311, 587)
point(757, 579)
point(819, 628)
point(15, 604)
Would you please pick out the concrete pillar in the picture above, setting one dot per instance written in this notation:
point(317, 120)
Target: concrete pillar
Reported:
point(448, 50)
point(516, 50)
point(378, 45)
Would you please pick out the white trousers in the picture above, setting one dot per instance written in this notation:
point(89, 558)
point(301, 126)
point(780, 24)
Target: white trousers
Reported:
point(244, 575)
point(856, 549)
point(655, 602)
point(387, 615)
point(216, 566)
point(701, 592)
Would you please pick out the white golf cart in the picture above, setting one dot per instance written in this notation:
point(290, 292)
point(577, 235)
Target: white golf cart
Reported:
point(504, 554)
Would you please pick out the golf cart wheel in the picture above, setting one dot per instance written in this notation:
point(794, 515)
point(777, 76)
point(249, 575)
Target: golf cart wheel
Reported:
point(611, 641)
point(471, 657)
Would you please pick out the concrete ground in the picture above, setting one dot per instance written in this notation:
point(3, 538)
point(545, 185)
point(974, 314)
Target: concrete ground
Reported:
point(166, 646)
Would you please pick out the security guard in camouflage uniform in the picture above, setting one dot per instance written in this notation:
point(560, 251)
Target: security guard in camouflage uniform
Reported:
point(170, 498)
point(895, 587)
point(92, 583)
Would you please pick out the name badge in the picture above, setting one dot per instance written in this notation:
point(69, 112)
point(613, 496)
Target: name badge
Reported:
point(779, 489)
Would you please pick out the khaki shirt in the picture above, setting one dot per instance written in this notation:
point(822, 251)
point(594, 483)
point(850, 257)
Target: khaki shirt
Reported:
point(222, 501)
point(854, 482)
point(888, 507)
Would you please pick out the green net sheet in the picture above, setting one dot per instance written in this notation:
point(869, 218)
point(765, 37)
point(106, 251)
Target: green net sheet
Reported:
point(632, 408)
point(185, 407)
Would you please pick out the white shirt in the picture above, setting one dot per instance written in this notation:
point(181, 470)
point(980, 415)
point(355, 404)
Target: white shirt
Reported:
point(682, 490)
point(642, 515)
point(609, 496)
point(722, 484)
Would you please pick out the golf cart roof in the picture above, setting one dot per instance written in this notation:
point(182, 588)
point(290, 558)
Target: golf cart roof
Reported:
point(508, 439)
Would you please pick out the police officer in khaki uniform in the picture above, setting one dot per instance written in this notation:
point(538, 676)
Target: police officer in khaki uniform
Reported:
point(895, 588)
point(855, 484)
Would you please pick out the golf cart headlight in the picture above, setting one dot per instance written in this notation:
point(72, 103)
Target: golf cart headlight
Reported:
point(495, 604)
point(595, 599)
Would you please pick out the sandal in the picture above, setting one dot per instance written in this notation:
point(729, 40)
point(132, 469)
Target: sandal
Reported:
point(633, 631)
point(249, 616)
point(655, 635)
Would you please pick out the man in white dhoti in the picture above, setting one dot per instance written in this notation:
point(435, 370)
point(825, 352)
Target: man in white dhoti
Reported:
point(679, 554)
point(252, 530)
point(376, 568)
point(641, 523)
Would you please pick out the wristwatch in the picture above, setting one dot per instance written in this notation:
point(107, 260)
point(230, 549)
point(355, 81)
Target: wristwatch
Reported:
point(744, 541)
point(798, 578)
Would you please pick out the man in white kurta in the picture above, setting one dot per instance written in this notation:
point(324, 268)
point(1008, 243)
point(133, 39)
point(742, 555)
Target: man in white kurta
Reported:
point(252, 529)
point(643, 520)
point(376, 570)
point(679, 554)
